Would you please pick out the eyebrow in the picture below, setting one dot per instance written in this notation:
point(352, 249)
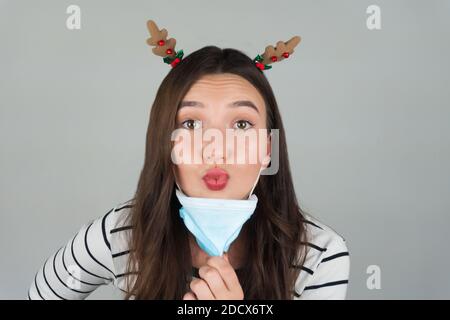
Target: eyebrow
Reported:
point(239, 103)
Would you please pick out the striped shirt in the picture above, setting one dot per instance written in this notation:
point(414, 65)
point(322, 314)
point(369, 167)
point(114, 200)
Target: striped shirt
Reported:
point(97, 255)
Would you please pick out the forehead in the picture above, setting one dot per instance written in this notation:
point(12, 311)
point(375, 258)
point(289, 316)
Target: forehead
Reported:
point(225, 87)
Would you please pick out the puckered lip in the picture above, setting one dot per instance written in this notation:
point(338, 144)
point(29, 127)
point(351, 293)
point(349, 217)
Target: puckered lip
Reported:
point(216, 179)
point(216, 173)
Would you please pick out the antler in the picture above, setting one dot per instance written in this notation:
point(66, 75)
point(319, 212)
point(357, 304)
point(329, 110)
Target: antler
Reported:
point(282, 51)
point(163, 47)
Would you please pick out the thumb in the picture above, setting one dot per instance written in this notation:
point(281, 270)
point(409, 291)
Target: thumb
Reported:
point(225, 256)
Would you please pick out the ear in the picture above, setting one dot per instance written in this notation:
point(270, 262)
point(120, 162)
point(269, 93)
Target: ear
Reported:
point(267, 157)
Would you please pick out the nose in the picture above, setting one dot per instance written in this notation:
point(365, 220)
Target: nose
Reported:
point(215, 150)
point(213, 154)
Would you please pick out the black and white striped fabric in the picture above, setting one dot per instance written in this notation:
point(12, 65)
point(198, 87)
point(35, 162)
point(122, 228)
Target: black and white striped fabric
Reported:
point(97, 255)
point(326, 270)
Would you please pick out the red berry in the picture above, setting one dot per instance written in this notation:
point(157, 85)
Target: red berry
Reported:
point(260, 65)
point(286, 54)
point(161, 43)
point(175, 62)
point(273, 58)
point(169, 51)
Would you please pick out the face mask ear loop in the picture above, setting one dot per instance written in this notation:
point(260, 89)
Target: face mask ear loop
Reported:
point(178, 186)
point(254, 185)
point(259, 174)
point(175, 178)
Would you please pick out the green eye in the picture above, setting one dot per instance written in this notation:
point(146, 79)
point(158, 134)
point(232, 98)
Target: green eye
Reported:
point(191, 124)
point(243, 125)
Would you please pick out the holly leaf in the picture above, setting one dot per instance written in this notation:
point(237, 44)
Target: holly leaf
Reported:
point(180, 54)
point(258, 58)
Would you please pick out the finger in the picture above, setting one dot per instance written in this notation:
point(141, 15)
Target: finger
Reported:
point(227, 272)
point(201, 289)
point(189, 296)
point(214, 281)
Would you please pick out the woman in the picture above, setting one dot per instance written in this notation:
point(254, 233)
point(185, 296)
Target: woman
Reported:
point(146, 246)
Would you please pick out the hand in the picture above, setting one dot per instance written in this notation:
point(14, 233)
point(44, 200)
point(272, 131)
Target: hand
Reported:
point(218, 282)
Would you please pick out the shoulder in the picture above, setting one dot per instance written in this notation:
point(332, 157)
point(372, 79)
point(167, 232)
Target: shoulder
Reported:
point(117, 218)
point(325, 272)
point(321, 234)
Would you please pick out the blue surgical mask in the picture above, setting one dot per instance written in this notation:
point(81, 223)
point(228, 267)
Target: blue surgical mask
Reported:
point(216, 223)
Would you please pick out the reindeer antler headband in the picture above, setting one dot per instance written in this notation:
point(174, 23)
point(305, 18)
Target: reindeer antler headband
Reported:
point(166, 48)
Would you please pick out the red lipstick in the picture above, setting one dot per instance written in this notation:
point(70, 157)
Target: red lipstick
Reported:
point(216, 179)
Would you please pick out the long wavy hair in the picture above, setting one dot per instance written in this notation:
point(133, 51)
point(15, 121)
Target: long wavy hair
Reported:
point(160, 257)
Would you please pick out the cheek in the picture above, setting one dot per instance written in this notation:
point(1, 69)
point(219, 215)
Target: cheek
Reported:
point(186, 147)
point(252, 152)
point(244, 177)
point(186, 171)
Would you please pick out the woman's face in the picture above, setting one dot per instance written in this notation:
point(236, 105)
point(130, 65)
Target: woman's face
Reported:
point(217, 106)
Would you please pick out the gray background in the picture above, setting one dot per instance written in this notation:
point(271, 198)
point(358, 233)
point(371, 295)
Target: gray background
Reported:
point(366, 113)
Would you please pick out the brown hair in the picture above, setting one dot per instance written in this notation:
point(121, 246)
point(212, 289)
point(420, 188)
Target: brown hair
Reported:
point(160, 255)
